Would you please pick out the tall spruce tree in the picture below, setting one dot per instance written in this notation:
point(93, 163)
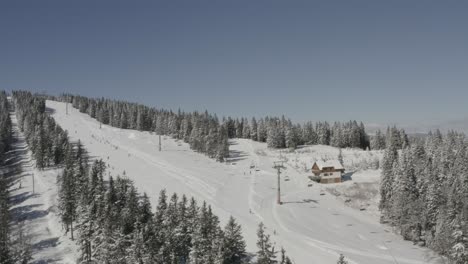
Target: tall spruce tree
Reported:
point(266, 253)
point(233, 244)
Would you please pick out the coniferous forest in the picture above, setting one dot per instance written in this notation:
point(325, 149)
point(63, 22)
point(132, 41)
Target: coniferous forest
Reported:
point(424, 192)
point(5, 140)
point(218, 132)
point(113, 223)
point(207, 134)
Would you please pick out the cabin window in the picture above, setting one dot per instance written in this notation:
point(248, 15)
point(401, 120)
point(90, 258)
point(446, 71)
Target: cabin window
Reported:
point(326, 174)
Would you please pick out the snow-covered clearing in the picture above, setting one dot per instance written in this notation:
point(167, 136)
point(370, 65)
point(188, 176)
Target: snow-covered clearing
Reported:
point(313, 228)
point(360, 186)
point(35, 212)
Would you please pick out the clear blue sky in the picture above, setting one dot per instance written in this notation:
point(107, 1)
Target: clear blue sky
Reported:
point(376, 61)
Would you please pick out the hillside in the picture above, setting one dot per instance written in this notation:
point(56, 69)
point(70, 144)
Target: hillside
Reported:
point(36, 226)
point(314, 228)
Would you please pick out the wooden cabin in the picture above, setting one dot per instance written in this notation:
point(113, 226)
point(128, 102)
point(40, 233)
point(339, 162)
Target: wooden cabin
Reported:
point(329, 171)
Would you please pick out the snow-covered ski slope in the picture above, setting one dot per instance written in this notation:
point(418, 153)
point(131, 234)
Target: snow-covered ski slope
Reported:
point(36, 212)
point(313, 228)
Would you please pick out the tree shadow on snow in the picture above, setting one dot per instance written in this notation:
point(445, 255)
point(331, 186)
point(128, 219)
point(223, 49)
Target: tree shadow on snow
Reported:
point(249, 257)
point(49, 110)
point(93, 158)
point(304, 201)
point(19, 198)
point(347, 176)
point(236, 155)
point(26, 212)
point(46, 261)
point(46, 243)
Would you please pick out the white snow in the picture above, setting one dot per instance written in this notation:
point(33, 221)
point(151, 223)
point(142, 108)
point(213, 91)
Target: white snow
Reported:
point(313, 225)
point(360, 191)
point(329, 164)
point(37, 211)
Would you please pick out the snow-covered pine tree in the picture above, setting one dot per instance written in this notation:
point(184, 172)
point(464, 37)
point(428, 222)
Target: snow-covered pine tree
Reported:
point(171, 222)
point(5, 125)
point(341, 260)
point(254, 130)
point(405, 199)
point(377, 141)
point(246, 129)
point(284, 258)
point(5, 256)
point(130, 210)
point(60, 145)
point(323, 133)
point(336, 137)
point(67, 193)
point(239, 128)
point(39, 149)
point(181, 248)
point(157, 238)
point(141, 119)
point(199, 244)
point(5, 136)
point(275, 134)
point(211, 143)
point(266, 253)
point(389, 160)
point(204, 248)
point(90, 210)
point(222, 151)
point(261, 131)
point(459, 252)
point(289, 136)
point(233, 244)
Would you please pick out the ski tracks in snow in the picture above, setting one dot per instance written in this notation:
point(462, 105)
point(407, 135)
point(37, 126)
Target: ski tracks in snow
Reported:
point(310, 233)
point(199, 186)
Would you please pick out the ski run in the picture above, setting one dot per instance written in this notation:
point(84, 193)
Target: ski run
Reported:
point(315, 223)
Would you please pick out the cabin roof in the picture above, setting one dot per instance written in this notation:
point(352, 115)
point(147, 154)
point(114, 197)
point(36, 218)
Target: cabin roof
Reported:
point(329, 164)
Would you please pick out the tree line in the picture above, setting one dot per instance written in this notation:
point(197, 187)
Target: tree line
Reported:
point(5, 140)
point(202, 131)
point(113, 223)
point(5, 124)
point(205, 133)
point(400, 139)
point(14, 243)
point(424, 192)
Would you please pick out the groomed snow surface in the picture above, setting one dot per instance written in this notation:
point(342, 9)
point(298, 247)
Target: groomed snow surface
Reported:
point(313, 225)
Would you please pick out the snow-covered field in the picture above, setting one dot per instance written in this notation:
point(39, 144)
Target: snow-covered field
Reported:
point(360, 186)
point(313, 228)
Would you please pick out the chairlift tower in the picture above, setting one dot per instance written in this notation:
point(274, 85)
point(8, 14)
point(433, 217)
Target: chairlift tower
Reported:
point(278, 165)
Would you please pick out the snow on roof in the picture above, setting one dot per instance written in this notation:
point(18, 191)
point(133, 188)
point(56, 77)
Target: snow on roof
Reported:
point(329, 163)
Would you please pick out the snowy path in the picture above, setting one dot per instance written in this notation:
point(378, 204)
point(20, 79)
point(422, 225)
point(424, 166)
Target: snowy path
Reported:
point(313, 228)
point(36, 211)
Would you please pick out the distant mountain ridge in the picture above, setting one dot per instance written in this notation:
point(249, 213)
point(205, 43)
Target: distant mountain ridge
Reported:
point(459, 125)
